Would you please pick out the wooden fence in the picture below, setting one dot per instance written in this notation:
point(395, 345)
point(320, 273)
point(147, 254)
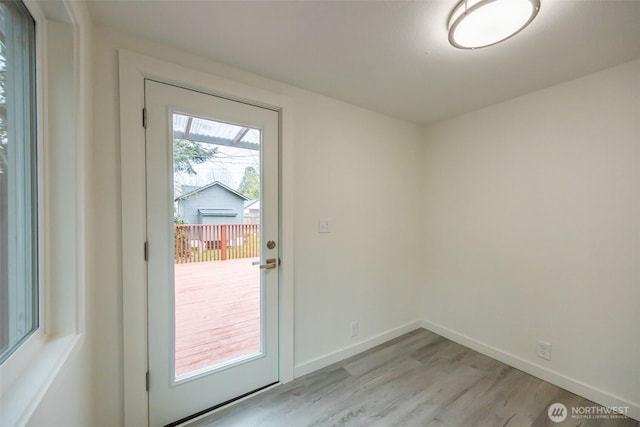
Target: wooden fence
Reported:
point(216, 242)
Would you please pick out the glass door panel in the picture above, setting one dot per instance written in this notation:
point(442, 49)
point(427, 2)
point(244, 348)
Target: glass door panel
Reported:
point(216, 191)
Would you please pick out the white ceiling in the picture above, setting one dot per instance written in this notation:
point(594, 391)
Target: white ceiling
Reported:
point(388, 56)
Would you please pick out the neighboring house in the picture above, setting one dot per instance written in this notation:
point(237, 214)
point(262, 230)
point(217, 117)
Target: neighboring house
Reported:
point(252, 212)
point(213, 203)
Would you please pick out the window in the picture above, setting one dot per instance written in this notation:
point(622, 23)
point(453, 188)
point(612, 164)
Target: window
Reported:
point(18, 180)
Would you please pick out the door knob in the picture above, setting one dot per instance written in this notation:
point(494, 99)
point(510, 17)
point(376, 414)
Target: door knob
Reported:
point(271, 263)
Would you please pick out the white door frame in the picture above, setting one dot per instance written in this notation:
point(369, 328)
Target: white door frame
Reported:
point(133, 69)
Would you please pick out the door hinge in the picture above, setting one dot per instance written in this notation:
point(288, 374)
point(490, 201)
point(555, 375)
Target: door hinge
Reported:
point(146, 251)
point(144, 118)
point(146, 379)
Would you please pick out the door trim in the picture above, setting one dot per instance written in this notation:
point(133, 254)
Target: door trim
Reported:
point(134, 68)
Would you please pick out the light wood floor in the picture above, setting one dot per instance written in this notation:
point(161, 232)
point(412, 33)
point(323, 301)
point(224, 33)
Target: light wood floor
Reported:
point(418, 379)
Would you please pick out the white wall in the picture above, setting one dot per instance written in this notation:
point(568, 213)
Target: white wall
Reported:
point(69, 400)
point(532, 231)
point(359, 168)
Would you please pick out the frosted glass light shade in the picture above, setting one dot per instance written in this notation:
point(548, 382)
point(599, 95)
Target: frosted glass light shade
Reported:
point(480, 23)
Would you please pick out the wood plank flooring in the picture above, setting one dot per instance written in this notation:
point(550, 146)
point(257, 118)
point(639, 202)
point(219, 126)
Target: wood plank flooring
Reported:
point(419, 379)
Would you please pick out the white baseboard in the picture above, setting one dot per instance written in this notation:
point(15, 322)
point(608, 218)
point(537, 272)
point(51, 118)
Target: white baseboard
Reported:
point(585, 390)
point(336, 356)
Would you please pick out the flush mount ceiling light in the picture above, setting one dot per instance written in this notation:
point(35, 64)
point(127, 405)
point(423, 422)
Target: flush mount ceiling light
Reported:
point(480, 23)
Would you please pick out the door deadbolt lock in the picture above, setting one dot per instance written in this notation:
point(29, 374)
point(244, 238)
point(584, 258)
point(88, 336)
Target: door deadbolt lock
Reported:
point(271, 244)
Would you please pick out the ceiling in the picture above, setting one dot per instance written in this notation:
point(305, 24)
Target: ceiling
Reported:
point(388, 56)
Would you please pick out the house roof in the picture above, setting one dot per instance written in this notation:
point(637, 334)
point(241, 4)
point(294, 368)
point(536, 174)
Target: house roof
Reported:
point(255, 204)
point(204, 187)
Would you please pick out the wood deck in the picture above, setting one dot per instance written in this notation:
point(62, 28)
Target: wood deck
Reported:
point(217, 312)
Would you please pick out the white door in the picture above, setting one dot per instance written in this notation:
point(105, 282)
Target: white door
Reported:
point(212, 273)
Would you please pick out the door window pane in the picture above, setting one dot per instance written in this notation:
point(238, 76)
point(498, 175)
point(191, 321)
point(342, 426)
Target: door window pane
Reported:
point(216, 193)
point(18, 218)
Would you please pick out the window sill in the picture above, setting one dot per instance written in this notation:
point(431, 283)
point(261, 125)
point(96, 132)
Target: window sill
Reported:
point(20, 398)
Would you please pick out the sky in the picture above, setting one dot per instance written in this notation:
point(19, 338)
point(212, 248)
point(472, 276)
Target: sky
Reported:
point(227, 166)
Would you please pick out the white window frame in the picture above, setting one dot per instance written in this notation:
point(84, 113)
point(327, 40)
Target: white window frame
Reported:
point(27, 374)
point(20, 258)
point(133, 69)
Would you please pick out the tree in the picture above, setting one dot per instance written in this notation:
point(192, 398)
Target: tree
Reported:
point(188, 153)
point(250, 184)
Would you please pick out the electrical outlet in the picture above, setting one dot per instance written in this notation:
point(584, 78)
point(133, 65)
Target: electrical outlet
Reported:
point(324, 226)
point(544, 350)
point(354, 329)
